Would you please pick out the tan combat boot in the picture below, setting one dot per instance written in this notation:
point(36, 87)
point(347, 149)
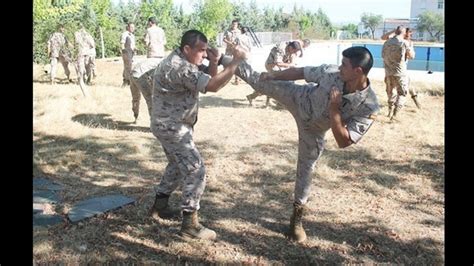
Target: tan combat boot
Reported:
point(297, 232)
point(161, 208)
point(415, 99)
point(191, 228)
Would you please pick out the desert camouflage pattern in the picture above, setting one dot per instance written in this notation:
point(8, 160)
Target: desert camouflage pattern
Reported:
point(231, 36)
point(155, 40)
point(176, 87)
point(141, 83)
point(394, 53)
point(85, 54)
point(309, 105)
point(128, 40)
point(57, 44)
point(278, 54)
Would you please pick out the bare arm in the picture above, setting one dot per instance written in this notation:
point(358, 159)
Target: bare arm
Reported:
point(387, 35)
point(339, 130)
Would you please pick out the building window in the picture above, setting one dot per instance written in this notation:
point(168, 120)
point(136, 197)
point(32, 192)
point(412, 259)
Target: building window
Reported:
point(440, 4)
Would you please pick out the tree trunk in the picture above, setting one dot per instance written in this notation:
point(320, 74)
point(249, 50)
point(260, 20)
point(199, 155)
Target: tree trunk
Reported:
point(102, 42)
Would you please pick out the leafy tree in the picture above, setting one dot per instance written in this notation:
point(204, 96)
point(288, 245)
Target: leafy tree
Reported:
point(352, 29)
point(248, 14)
point(303, 20)
point(431, 22)
point(371, 21)
point(211, 17)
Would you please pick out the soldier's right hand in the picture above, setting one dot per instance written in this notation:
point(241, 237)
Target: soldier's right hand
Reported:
point(240, 52)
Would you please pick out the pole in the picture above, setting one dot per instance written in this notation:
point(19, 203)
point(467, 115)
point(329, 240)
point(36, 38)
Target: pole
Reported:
point(102, 42)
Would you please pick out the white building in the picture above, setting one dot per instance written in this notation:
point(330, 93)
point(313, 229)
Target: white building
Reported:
point(417, 7)
point(420, 6)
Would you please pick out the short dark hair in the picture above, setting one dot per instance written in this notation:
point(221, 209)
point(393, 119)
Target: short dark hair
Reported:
point(152, 20)
point(359, 57)
point(296, 45)
point(235, 20)
point(191, 37)
point(244, 30)
point(398, 30)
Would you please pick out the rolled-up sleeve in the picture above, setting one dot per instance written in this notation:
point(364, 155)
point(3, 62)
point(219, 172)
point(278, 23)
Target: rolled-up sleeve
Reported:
point(358, 126)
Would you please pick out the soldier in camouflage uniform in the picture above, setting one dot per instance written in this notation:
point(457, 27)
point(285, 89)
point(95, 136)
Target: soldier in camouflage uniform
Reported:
point(394, 53)
point(57, 47)
point(177, 82)
point(85, 54)
point(336, 98)
point(127, 41)
point(281, 57)
point(155, 39)
point(141, 82)
point(410, 54)
point(230, 38)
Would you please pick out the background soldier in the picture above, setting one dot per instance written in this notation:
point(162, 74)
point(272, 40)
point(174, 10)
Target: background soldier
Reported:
point(85, 54)
point(127, 42)
point(281, 57)
point(394, 54)
point(57, 50)
point(155, 40)
point(141, 81)
point(230, 38)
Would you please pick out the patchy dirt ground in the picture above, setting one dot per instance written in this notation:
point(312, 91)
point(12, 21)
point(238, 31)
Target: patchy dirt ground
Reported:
point(380, 201)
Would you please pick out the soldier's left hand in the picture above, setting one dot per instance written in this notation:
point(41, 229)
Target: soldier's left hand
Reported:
point(213, 54)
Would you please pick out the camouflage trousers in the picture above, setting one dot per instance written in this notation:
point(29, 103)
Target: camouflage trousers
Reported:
point(295, 98)
point(310, 138)
point(400, 85)
point(185, 165)
point(127, 56)
point(86, 66)
point(54, 66)
point(141, 86)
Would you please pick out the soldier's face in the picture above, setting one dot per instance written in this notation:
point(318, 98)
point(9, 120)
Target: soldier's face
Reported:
point(346, 71)
point(196, 54)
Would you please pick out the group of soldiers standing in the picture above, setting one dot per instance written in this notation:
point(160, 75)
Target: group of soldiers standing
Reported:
point(59, 50)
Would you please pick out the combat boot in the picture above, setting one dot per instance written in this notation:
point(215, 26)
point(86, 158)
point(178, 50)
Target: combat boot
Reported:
point(390, 108)
point(191, 228)
point(297, 232)
point(136, 118)
point(250, 99)
point(395, 112)
point(161, 208)
point(415, 99)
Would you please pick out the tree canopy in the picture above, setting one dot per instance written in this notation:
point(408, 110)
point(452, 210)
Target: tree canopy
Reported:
point(106, 20)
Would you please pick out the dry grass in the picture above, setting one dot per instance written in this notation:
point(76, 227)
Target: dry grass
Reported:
point(380, 201)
